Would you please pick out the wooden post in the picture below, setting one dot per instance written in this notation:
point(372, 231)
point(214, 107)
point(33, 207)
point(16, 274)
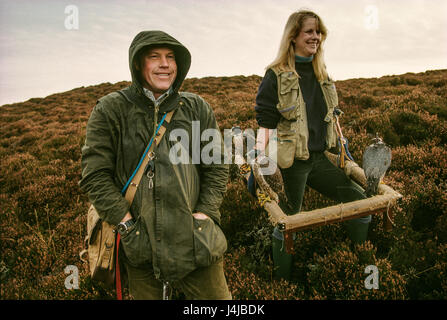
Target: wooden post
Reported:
point(338, 213)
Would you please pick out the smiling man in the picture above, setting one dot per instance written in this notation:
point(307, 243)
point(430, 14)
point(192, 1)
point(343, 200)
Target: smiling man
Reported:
point(158, 69)
point(171, 234)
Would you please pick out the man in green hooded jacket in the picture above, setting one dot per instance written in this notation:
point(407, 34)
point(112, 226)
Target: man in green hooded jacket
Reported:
point(171, 232)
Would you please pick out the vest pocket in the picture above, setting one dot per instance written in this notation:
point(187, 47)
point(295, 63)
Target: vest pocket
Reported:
point(331, 138)
point(330, 92)
point(286, 145)
point(288, 81)
point(302, 150)
point(289, 112)
point(288, 95)
point(136, 244)
point(209, 242)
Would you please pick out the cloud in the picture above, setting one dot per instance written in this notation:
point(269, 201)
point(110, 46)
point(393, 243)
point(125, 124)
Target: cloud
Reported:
point(38, 56)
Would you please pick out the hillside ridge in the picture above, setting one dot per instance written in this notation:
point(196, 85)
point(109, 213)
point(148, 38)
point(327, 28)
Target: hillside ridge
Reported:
point(124, 83)
point(44, 212)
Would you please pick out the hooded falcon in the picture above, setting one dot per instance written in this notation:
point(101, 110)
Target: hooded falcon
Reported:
point(376, 160)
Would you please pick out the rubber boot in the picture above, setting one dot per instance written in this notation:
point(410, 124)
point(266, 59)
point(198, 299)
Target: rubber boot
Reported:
point(357, 231)
point(282, 261)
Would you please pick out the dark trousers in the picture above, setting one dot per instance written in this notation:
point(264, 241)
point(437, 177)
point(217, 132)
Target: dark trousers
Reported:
point(206, 283)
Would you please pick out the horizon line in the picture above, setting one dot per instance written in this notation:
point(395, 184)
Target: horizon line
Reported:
point(204, 77)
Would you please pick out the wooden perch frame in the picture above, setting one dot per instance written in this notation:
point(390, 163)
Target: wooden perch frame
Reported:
point(380, 203)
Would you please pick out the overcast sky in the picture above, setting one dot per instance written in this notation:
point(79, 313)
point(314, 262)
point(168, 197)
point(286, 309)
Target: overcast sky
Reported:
point(43, 50)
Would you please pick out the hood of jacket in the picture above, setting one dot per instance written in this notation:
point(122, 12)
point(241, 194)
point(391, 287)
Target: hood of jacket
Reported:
point(157, 38)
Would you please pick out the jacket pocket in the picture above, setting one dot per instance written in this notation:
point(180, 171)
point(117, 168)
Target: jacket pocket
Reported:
point(286, 145)
point(136, 244)
point(288, 95)
point(209, 242)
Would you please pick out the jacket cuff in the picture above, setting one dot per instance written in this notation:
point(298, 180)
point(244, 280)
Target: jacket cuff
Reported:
point(115, 213)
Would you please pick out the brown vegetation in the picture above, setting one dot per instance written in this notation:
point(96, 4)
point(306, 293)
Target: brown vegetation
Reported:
point(44, 213)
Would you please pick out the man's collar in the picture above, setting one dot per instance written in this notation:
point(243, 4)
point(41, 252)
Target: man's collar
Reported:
point(151, 96)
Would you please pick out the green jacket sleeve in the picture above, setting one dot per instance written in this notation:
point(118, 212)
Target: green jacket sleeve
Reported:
point(98, 168)
point(213, 176)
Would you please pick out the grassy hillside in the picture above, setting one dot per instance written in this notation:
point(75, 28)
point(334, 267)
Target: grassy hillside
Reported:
point(43, 212)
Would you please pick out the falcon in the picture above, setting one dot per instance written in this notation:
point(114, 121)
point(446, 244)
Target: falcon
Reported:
point(376, 161)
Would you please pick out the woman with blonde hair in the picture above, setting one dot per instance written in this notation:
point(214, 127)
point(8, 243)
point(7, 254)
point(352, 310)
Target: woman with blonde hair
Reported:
point(297, 98)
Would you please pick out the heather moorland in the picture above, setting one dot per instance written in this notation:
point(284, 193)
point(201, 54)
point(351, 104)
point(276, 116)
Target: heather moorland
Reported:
point(43, 211)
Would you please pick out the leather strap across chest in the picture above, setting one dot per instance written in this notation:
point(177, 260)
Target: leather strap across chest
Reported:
point(147, 156)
